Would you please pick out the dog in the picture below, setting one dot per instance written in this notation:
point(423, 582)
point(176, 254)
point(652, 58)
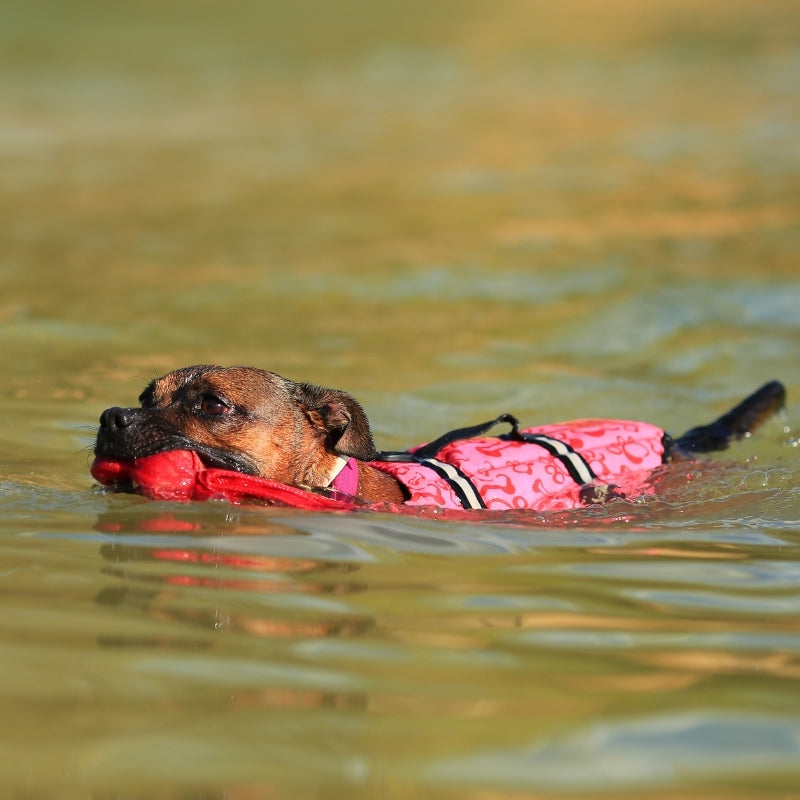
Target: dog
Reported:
point(258, 423)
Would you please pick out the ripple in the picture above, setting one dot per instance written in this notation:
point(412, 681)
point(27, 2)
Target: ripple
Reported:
point(662, 750)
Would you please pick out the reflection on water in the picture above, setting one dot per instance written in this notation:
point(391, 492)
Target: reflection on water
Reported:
point(244, 647)
point(263, 579)
point(454, 655)
point(558, 210)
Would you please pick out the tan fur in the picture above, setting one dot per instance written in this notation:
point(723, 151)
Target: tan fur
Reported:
point(251, 420)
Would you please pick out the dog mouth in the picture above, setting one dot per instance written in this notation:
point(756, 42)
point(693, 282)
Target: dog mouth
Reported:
point(135, 472)
point(213, 458)
point(169, 474)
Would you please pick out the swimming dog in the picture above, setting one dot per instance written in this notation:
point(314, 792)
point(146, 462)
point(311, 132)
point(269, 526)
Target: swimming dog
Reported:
point(258, 423)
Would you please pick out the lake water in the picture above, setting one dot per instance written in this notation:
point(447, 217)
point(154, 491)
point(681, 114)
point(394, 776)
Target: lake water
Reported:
point(450, 210)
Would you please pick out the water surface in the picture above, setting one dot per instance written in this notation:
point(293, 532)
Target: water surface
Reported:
point(557, 210)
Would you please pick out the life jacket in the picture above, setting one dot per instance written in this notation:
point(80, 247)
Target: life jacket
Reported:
point(547, 468)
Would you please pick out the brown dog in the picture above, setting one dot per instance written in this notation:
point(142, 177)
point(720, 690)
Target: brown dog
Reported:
point(258, 423)
point(251, 421)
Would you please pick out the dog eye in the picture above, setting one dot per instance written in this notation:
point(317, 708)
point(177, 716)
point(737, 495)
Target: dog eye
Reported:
point(212, 405)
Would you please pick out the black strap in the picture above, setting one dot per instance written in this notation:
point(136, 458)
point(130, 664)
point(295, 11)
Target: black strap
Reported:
point(431, 449)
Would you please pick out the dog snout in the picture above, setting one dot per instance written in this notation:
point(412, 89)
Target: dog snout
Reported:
point(115, 418)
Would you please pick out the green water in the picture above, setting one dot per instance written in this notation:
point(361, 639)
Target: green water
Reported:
point(450, 210)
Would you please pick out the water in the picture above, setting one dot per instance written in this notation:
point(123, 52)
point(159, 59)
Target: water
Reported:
point(556, 210)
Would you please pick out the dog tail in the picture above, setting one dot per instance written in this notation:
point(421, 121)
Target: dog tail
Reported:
point(739, 422)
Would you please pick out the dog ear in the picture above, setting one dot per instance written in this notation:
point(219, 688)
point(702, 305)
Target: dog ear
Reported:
point(342, 419)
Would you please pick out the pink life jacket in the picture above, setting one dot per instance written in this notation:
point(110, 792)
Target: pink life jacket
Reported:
point(547, 468)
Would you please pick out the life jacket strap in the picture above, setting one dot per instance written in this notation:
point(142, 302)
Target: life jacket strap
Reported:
point(463, 488)
point(432, 449)
point(576, 465)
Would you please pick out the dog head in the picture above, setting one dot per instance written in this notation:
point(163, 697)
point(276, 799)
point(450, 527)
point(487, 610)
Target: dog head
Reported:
point(241, 418)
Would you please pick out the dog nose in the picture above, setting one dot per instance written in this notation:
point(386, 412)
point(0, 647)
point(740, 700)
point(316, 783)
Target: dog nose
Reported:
point(115, 418)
